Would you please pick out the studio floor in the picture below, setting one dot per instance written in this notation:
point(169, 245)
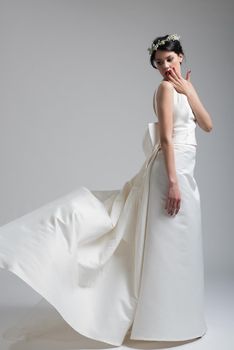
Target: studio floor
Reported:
point(48, 331)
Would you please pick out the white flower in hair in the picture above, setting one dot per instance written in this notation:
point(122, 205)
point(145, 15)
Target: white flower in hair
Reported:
point(162, 42)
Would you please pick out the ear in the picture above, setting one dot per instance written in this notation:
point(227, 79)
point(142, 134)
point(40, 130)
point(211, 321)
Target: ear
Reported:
point(181, 57)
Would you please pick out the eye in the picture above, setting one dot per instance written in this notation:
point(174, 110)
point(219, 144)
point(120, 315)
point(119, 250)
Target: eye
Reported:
point(169, 60)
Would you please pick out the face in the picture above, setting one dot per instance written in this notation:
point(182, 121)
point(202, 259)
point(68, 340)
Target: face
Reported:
point(166, 60)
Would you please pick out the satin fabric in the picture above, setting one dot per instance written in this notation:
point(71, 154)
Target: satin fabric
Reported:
point(111, 261)
point(172, 284)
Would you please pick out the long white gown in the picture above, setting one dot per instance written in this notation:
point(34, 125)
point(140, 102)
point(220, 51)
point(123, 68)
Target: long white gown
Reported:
point(112, 262)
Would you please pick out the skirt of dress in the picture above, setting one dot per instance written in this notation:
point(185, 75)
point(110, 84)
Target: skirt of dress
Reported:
point(109, 261)
point(171, 299)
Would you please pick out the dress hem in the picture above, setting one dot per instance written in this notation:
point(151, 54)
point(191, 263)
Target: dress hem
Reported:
point(82, 332)
point(172, 340)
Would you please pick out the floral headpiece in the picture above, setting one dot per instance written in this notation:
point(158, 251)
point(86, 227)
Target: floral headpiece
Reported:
point(162, 42)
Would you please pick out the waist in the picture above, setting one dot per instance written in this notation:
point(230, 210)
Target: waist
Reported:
point(184, 136)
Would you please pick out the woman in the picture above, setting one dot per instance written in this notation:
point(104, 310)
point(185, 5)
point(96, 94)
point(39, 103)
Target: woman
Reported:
point(173, 264)
point(114, 261)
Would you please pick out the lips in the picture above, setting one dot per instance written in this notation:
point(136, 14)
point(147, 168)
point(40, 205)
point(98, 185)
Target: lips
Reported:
point(168, 71)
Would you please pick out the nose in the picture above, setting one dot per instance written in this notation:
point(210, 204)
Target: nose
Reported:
point(166, 65)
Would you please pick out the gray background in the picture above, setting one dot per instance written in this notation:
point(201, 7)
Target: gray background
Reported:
point(76, 96)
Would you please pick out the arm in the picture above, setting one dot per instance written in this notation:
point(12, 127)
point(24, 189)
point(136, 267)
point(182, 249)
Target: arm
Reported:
point(202, 116)
point(185, 86)
point(164, 99)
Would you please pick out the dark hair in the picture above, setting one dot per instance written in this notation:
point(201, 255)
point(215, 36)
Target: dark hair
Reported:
point(171, 45)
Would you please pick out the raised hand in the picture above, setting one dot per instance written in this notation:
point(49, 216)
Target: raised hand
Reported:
point(181, 85)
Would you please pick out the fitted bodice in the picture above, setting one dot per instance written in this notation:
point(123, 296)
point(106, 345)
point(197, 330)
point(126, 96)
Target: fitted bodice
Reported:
point(183, 120)
point(183, 125)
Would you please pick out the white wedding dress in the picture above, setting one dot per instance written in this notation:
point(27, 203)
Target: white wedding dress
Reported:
point(112, 262)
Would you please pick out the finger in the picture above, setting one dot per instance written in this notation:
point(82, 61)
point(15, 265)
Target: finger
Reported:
point(175, 208)
point(178, 207)
point(171, 206)
point(174, 71)
point(171, 213)
point(170, 203)
point(167, 206)
point(188, 74)
point(172, 77)
point(168, 74)
point(169, 209)
point(176, 74)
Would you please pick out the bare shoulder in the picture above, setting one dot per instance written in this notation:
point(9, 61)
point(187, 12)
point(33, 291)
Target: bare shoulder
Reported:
point(163, 96)
point(165, 90)
point(164, 86)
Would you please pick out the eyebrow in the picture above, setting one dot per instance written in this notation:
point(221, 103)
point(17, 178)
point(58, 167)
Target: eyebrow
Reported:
point(158, 59)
